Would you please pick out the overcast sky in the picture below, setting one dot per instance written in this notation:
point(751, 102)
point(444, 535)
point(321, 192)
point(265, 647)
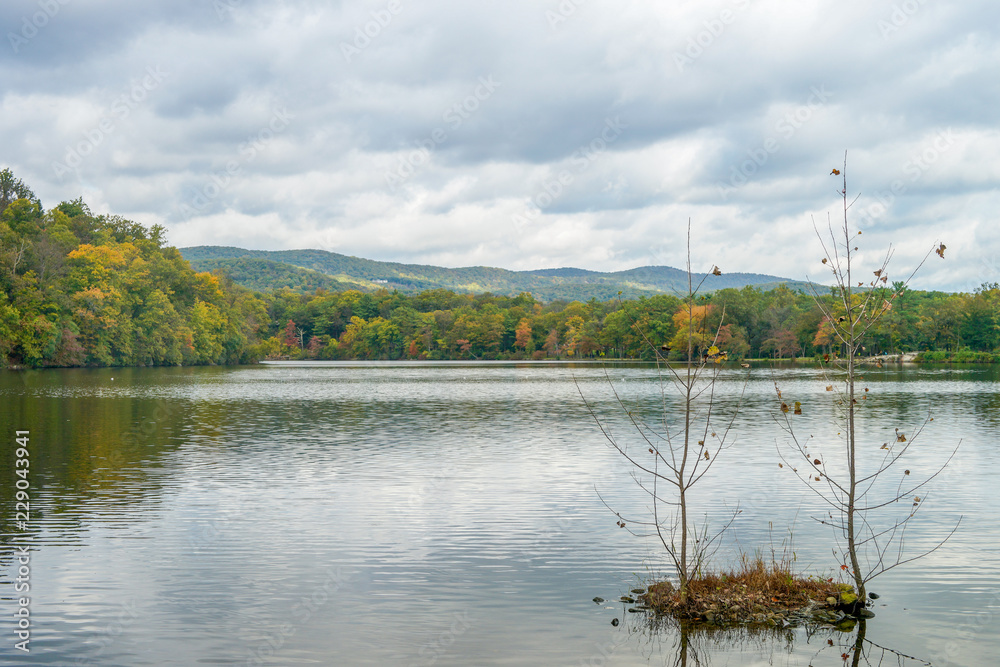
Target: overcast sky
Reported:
point(520, 133)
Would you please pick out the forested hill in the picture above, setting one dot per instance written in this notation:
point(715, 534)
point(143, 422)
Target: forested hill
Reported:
point(78, 289)
point(304, 270)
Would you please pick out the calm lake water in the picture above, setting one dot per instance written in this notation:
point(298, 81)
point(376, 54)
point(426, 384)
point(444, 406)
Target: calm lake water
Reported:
point(448, 514)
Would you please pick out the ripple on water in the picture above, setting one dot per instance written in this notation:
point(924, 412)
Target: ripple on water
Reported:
point(441, 514)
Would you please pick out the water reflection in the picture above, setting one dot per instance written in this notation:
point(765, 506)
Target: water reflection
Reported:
point(181, 516)
point(693, 645)
point(686, 644)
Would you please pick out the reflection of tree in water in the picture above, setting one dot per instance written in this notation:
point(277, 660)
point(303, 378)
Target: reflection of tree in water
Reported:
point(863, 651)
point(685, 644)
point(987, 407)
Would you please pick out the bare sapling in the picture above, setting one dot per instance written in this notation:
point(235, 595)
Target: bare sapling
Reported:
point(670, 453)
point(870, 495)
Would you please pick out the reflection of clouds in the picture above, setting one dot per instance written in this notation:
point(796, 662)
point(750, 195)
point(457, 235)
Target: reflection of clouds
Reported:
point(441, 488)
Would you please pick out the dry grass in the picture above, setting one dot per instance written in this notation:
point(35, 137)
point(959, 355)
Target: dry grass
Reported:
point(754, 591)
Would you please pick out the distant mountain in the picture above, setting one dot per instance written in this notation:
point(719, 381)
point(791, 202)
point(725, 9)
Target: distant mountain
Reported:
point(265, 274)
point(307, 270)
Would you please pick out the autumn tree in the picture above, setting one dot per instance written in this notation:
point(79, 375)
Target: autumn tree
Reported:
point(825, 335)
point(551, 345)
point(693, 331)
point(523, 335)
point(315, 345)
point(80, 289)
point(290, 336)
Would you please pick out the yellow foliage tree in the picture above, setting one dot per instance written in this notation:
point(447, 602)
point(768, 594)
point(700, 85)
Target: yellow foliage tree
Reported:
point(691, 322)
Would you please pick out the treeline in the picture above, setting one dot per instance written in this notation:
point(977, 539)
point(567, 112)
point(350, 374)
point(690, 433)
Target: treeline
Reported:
point(78, 289)
point(750, 323)
point(83, 290)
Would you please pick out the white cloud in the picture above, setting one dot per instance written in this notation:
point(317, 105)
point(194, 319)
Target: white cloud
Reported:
point(723, 125)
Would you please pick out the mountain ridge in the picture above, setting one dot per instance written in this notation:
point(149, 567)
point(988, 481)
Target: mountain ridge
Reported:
point(308, 269)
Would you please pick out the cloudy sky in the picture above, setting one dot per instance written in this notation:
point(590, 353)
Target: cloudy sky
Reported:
point(520, 133)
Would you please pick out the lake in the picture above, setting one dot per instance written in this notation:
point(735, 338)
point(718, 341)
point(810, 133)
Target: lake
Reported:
point(448, 514)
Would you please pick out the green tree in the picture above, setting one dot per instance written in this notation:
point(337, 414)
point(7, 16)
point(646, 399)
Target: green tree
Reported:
point(980, 323)
point(12, 189)
point(207, 329)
